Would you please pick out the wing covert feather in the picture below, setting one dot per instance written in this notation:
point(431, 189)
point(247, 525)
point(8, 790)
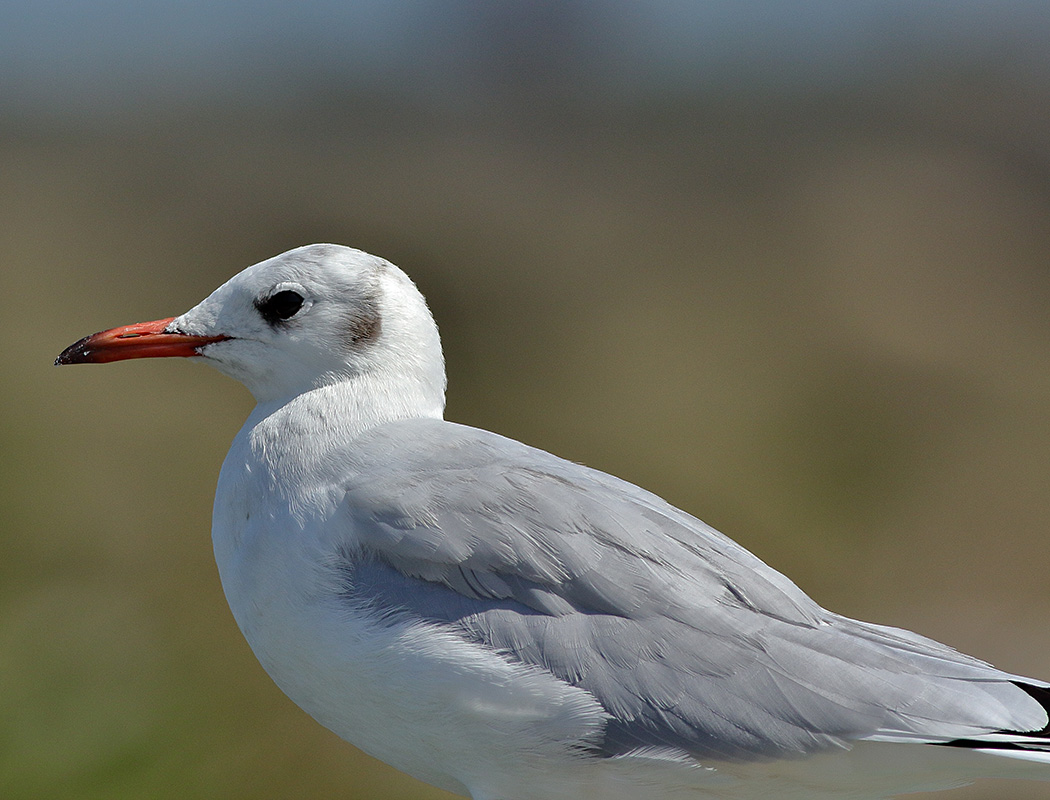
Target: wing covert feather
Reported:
point(689, 641)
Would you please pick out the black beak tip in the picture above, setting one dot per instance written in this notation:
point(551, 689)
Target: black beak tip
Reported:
point(76, 353)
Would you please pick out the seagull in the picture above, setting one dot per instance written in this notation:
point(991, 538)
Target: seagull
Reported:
point(508, 625)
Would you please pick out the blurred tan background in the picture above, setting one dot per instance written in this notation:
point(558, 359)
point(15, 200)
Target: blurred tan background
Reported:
point(787, 266)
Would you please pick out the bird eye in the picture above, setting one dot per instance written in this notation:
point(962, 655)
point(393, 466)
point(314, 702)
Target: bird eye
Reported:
point(280, 306)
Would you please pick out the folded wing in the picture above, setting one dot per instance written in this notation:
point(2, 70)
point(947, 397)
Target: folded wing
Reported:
point(689, 642)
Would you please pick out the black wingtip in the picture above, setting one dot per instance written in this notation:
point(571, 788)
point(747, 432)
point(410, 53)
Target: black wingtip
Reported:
point(1041, 694)
point(1026, 740)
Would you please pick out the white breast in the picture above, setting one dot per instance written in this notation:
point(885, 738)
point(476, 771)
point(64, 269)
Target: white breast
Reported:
point(411, 694)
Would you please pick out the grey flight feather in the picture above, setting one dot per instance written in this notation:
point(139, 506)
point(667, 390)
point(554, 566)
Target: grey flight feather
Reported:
point(688, 641)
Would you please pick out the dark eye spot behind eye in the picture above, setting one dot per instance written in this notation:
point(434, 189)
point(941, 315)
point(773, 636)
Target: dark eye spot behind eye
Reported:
point(280, 306)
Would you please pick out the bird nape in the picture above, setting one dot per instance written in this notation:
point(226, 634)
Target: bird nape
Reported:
point(508, 625)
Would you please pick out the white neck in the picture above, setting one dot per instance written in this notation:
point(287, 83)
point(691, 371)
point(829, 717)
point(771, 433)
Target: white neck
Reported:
point(345, 409)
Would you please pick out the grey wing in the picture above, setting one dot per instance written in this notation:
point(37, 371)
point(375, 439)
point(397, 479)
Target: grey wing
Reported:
point(686, 639)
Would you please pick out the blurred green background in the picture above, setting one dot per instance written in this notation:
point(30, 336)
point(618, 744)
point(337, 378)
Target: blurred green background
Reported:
point(785, 264)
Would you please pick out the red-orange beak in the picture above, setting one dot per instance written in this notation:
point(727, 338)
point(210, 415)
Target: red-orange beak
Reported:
point(142, 340)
